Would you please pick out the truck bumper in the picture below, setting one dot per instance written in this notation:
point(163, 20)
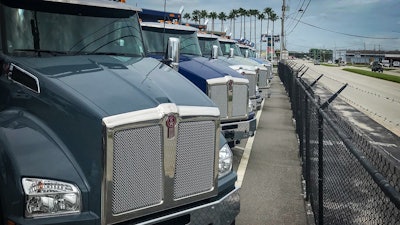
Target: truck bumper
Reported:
point(239, 130)
point(220, 212)
point(256, 102)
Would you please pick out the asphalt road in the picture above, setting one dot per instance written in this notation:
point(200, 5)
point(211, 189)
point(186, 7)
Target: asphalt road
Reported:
point(371, 105)
point(379, 99)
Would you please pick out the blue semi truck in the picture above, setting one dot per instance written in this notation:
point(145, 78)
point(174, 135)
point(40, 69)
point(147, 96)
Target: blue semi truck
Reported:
point(226, 87)
point(92, 131)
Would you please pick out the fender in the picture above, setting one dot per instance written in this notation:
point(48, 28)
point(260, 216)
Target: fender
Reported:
point(28, 148)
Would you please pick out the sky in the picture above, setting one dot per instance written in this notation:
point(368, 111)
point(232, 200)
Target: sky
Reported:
point(324, 24)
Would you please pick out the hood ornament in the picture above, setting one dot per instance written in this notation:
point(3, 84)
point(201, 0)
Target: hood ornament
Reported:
point(170, 123)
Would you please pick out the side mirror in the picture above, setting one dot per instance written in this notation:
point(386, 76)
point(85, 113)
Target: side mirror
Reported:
point(214, 53)
point(231, 53)
point(173, 52)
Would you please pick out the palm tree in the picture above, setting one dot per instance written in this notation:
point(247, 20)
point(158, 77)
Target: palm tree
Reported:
point(212, 15)
point(203, 15)
point(186, 16)
point(196, 16)
point(253, 12)
point(261, 17)
point(232, 17)
point(241, 13)
point(245, 14)
point(273, 18)
point(222, 16)
point(237, 16)
point(268, 12)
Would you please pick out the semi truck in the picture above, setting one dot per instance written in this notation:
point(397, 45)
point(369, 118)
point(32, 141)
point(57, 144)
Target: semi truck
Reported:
point(92, 131)
point(227, 88)
point(211, 47)
point(265, 77)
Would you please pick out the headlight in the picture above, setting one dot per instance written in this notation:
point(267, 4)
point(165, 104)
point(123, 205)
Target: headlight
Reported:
point(50, 197)
point(225, 160)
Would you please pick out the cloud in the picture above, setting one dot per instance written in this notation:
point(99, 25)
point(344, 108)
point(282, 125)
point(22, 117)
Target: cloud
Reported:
point(358, 2)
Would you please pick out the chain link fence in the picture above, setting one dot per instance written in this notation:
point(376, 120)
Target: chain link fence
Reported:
point(347, 180)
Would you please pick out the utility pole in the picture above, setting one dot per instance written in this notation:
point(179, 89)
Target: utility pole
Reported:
point(284, 54)
point(283, 26)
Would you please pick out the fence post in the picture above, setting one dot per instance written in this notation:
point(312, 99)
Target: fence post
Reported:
point(307, 174)
point(320, 166)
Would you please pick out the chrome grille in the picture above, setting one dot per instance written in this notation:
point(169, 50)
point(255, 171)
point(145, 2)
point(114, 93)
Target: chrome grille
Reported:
point(194, 159)
point(152, 165)
point(137, 169)
point(262, 79)
point(219, 95)
point(240, 100)
point(230, 95)
point(252, 84)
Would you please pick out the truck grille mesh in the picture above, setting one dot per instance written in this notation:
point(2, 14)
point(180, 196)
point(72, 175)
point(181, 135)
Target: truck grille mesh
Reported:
point(137, 169)
point(240, 100)
point(262, 79)
point(194, 158)
point(219, 95)
point(252, 84)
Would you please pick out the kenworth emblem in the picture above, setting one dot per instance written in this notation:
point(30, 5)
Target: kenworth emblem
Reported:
point(171, 122)
point(230, 85)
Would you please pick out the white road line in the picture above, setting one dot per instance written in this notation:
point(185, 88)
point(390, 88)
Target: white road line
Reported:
point(247, 150)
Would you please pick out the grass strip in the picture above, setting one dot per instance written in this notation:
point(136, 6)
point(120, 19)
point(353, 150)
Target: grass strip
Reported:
point(375, 74)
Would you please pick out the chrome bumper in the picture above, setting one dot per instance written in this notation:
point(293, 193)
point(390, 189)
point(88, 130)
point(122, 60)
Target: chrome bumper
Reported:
point(256, 102)
point(239, 130)
point(219, 212)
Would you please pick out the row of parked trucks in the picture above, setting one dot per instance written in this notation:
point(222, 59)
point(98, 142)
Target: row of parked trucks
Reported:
point(109, 119)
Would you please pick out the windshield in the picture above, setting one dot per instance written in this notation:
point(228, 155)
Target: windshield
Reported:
point(225, 46)
point(243, 51)
point(252, 54)
point(34, 33)
point(206, 46)
point(156, 40)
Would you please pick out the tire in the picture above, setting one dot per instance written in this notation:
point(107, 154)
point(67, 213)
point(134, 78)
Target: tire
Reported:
point(233, 223)
point(231, 144)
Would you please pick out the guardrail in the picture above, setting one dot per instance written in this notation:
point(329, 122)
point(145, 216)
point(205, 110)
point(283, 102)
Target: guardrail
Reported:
point(347, 180)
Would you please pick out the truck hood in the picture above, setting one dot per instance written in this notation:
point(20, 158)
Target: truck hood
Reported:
point(112, 85)
point(202, 67)
point(207, 68)
point(238, 62)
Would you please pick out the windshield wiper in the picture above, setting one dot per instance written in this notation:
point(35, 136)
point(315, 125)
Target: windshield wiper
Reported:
point(112, 54)
point(54, 53)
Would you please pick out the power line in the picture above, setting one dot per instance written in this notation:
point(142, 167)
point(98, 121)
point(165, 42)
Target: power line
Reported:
point(346, 34)
point(300, 17)
point(297, 11)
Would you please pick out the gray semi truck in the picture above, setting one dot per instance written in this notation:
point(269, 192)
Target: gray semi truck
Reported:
point(94, 132)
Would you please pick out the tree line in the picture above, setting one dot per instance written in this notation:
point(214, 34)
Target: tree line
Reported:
point(199, 16)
